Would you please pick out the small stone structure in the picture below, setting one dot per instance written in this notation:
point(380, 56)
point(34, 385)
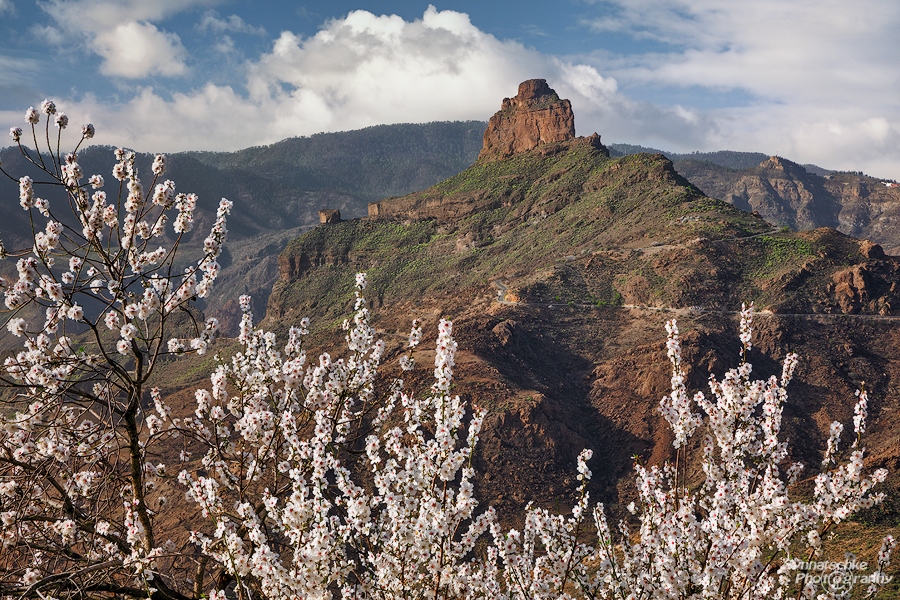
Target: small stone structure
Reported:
point(329, 215)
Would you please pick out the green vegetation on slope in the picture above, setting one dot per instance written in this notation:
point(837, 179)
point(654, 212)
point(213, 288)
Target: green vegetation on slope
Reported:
point(570, 226)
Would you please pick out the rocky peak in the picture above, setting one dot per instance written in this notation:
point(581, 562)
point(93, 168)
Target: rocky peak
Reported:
point(533, 94)
point(535, 116)
point(773, 162)
point(783, 165)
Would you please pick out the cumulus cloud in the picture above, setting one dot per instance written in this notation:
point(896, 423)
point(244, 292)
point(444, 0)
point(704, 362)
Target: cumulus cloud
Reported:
point(821, 75)
point(366, 69)
point(122, 34)
point(137, 50)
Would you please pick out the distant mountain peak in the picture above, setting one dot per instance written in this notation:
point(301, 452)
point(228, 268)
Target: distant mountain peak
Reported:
point(534, 117)
point(778, 163)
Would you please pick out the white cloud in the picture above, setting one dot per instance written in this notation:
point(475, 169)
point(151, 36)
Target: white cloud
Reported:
point(48, 34)
point(820, 83)
point(16, 86)
point(122, 34)
point(6, 6)
point(821, 74)
point(137, 50)
point(848, 139)
point(364, 70)
point(211, 21)
point(806, 50)
point(16, 69)
point(92, 16)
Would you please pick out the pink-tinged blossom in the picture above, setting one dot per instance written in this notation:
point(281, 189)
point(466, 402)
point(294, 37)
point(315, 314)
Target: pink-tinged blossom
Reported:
point(111, 319)
point(159, 164)
point(164, 194)
point(30, 577)
point(128, 331)
point(17, 327)
point(73, 174)
point(75, 312)
point(26, 192)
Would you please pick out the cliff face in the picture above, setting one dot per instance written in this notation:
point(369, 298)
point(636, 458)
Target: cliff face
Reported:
point(869, 209)
point(785, 193)
point(535, 116)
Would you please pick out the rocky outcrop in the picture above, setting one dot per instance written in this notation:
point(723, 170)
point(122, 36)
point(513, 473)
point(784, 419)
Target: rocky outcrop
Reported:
point(536, 122)
point(785, 193)
point(869, 287)
point(293, 266)
point(534, 117)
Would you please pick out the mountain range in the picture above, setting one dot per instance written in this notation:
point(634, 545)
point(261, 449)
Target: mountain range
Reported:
point(560, 263)
point(277, 190)
point(560, 259)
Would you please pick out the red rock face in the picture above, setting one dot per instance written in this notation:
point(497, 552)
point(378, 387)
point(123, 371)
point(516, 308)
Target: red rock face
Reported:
point(535, 116)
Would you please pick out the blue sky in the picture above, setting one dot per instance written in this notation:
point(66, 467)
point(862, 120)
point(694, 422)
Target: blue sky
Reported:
point(812, 80)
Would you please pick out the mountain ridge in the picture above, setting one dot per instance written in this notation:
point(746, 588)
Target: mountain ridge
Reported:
point(559, 266)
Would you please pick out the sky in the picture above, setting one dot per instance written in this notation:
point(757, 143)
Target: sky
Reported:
point(816, 81)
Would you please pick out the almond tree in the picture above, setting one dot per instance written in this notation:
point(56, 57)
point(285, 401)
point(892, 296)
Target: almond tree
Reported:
point(742, 532)
point(318, 478)
point(305, 525)
point(94, 302)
